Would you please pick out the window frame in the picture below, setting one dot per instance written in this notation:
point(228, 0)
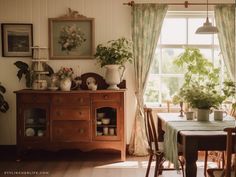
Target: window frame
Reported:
point(213, 46)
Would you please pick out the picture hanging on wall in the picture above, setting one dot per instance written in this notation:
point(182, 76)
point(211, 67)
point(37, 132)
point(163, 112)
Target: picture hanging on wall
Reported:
point(17, 39)
point(71, 36)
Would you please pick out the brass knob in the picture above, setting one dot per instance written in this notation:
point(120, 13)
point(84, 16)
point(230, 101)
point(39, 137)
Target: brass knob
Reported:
point(105, 96)
point(81, 131)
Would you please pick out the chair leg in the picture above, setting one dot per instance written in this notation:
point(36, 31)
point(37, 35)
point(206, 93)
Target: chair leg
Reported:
point(149, 165)
point(205, 163)
point(157, 166)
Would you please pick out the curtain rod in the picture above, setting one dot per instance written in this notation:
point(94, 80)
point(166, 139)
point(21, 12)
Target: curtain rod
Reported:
point(185, 4)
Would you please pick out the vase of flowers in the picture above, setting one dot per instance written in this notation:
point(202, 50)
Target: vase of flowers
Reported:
point(65, 76)
point(113, 55)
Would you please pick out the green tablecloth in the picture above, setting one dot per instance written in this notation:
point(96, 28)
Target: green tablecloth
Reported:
point(174, 126)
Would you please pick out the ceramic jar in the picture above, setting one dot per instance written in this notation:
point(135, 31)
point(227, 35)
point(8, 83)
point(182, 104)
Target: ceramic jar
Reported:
point(65, 84)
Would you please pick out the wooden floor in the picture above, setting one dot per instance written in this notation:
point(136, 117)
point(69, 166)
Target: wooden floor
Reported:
point(78, 165)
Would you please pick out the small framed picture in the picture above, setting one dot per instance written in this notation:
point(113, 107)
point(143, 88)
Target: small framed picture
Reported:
point(17, 39)
point(71, 38)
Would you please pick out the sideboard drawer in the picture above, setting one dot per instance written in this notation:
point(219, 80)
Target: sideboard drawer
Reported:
point(70, 131)
point(71, 113)
point(71, 99)
point(34, 98)
point(106, 97)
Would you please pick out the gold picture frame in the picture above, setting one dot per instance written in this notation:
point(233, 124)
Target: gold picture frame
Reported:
point(71, 37)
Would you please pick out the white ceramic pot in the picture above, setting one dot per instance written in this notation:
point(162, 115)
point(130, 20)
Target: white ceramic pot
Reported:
point(65, 84)
point(203, 114)
point(113, 76)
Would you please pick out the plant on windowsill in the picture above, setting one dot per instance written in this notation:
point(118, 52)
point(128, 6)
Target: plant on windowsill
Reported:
point(113, 55)
point(3, 103)
point(201, 88)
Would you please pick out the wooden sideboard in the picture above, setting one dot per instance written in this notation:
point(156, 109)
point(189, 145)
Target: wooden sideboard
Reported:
point(54, 120)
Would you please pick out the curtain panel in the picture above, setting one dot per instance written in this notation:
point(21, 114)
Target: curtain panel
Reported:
point(147, 20)
point(225, 22)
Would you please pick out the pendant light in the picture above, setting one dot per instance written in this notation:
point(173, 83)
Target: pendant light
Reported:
point(207, 27)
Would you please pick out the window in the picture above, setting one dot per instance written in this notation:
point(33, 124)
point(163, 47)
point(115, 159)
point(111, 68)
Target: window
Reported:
point(178, 31)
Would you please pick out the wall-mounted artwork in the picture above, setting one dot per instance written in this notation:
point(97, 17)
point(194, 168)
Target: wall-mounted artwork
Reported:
point(17, 39)
point(71, 37)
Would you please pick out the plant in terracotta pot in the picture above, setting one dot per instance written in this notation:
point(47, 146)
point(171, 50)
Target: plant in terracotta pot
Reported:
point(3, 103)
point(113, 55)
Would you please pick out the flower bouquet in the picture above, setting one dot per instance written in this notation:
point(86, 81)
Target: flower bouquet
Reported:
point(65, 72)
point(71, 37)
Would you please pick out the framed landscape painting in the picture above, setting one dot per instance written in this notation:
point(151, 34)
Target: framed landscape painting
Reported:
point(71, 38)
point(17, 39)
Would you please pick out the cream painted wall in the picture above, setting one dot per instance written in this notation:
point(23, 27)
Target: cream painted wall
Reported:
point(112, 20)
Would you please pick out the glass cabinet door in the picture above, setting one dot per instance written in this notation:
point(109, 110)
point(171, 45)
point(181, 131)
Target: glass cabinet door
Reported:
point(35, 122)
point(106, 124)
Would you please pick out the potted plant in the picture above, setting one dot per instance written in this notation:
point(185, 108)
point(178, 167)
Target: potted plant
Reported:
point(113, 55)
point(201, 88)
point(25, 69)
point(3, 104)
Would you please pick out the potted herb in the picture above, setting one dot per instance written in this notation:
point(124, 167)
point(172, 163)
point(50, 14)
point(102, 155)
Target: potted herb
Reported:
point(201, 88)
point(113, 55)
point(3, 103)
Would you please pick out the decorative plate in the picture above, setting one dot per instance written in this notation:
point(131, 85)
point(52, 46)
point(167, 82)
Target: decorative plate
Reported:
point(29, 132)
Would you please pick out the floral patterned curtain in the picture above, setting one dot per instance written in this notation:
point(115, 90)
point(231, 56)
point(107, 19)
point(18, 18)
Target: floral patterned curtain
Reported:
point(225, 22)
point(147, 20)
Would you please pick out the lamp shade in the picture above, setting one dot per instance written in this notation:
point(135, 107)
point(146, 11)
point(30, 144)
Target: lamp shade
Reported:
point(207, 28)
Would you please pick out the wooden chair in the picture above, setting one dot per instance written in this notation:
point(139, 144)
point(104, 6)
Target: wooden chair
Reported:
point(218, 156)
point(229, 170)
point(156, 151)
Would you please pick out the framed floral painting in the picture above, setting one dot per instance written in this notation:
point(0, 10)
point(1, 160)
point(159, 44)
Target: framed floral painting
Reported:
point(17, 39)
point(71, 37)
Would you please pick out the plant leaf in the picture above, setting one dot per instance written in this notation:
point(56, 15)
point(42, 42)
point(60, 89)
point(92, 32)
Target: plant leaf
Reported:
point(21, 65)
point(2, 89)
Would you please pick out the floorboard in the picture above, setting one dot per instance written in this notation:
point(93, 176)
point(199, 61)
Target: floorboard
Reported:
point(80, 165)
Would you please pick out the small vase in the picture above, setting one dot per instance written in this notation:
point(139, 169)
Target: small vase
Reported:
point(203, 114)
point(65, 84)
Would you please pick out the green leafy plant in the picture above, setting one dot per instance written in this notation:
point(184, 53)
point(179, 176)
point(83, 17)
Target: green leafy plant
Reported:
point(114, 52)
point(3, 103)
point(25, 69)
point(201, 88)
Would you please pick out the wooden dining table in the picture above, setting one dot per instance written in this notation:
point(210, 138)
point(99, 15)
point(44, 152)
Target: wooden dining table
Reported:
point(192, 141)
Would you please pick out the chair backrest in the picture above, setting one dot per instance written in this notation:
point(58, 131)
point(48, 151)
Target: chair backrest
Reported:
point(230, 148)
point(150, 129)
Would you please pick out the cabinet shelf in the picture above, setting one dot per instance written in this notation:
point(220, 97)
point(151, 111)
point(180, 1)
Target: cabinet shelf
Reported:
point(35, 125)
point(107, 126)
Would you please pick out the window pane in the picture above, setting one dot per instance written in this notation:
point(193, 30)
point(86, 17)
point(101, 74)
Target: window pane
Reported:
point(207, 53)
point(174, 31)
point(193, 25)
point(170, 86)
point(152, 89)
point(168, 56)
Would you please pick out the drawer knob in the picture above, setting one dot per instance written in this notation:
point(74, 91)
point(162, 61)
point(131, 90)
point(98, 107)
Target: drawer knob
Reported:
point(80, 113)
point(81, 131)
point(81, 100)
point(58, 113)
point(105, 96)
